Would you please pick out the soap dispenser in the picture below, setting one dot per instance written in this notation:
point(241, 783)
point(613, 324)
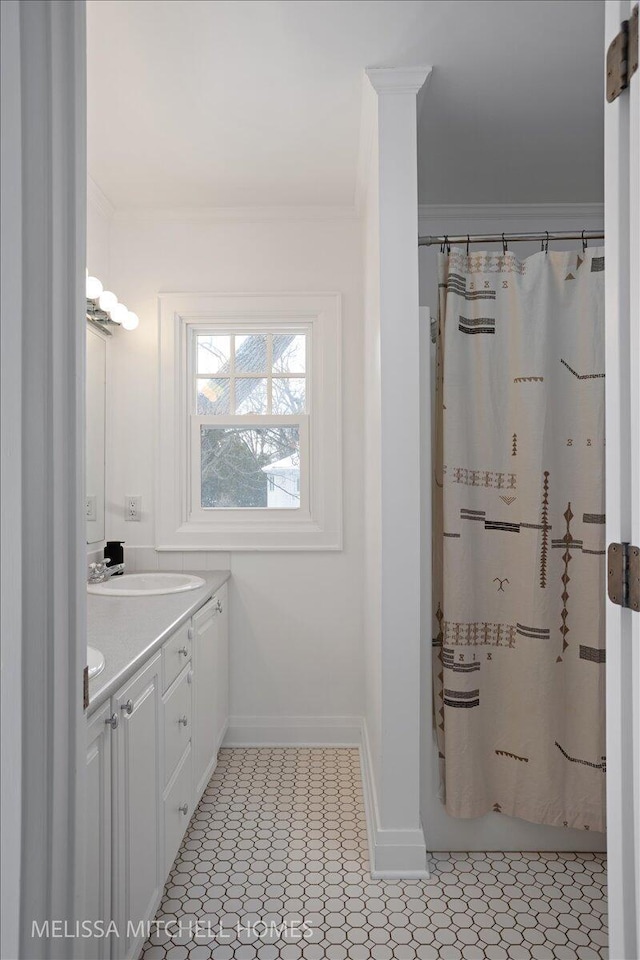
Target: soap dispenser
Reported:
point(114, 553)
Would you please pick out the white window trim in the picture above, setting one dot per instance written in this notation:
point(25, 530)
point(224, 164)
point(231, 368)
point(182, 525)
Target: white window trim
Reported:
point(319, 526)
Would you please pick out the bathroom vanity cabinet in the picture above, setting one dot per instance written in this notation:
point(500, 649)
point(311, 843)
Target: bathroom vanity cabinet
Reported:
point(151, 750)
point(97, 827)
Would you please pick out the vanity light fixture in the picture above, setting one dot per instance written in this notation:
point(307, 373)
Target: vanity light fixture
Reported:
point(119, 313)
point(104, 310)
point(107, 301)
point(94, 288)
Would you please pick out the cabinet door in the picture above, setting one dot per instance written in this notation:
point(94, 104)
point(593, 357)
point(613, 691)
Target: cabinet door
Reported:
point(178, 807)
point(138, 822)
point(206, 629)
point(96, 889)
point(178, 721)
point(222, 668)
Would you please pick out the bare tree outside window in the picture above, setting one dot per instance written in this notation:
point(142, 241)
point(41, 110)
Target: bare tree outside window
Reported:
point(252, 375)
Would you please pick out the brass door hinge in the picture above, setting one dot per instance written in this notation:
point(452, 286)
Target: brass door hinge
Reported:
point(622, 57)
point(85, 688)
point(623, 575)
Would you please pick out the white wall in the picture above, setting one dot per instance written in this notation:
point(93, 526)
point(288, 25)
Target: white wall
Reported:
point(296, 618)
point(99, 214)
point(492, 832)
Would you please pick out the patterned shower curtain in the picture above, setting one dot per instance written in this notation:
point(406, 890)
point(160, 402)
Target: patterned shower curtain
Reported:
point(519, 536)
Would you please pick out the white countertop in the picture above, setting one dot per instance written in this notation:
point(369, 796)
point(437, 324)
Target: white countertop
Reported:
point(128, 630)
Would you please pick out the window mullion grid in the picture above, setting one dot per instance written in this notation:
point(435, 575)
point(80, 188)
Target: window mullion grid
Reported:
point(232, 374)
point(194, 378)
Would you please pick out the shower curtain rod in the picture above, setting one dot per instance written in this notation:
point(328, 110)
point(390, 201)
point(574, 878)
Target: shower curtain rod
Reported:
point(544, 237)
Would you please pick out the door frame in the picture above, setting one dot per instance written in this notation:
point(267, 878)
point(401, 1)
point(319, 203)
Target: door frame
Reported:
point(44, 544)
point(622, 286)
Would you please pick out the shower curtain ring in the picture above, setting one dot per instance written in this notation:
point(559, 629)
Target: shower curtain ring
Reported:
point(468, 242)
point(447, 244)
point(504, 245)
point(585, 243)
point(546, 242)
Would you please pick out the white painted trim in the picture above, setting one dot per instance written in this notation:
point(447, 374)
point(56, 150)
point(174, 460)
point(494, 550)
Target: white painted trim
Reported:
point(48, 218)
point(11, 358)
point(249, 214)
point(248, 731)
point(622, 406)
point(393, 854)
point(470, 213)
point(451, 213)
point(97, 199)
point(321, 529)
point(398, 80)
point(221, 737)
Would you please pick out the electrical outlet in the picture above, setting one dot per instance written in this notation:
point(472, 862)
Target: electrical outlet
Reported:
point(132, 508)
point(90, 510)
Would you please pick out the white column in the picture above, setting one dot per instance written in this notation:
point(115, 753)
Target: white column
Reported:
point(399, 841)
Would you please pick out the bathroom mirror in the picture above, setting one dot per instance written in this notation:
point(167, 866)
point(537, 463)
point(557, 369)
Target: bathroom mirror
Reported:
point(96, 379)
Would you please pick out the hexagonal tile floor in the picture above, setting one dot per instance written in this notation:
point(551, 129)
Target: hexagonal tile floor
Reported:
point(275, 866)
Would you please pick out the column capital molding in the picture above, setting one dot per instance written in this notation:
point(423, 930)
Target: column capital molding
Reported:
point(395, 80)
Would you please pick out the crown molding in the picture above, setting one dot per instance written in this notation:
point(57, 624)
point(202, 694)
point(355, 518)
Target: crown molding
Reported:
point(397, 79)
point(97, 199)
point(496, 214)
point(257, 214)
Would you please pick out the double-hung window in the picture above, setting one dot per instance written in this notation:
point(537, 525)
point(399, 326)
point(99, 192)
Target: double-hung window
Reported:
point(252, 387)
point(250, 411)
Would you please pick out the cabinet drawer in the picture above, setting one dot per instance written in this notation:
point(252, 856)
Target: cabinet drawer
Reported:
point(177, 721)
point(175, 654)
point(177, 809)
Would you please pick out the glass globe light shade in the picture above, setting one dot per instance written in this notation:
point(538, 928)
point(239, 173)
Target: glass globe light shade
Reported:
point(93, 288)
point(107, 301)
point(131, 321)
point(119, 313)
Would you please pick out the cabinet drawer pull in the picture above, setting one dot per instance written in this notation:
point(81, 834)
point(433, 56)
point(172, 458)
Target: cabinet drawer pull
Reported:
point(112, 721)
point(183, 651)
point(219, 606)
point(184, 809)
point(190, 633)
point(127, 707)
point(182, 720)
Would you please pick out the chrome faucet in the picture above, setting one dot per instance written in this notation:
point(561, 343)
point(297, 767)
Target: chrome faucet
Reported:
point(99, 571)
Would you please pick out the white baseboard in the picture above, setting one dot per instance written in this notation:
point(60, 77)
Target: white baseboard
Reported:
point(393, 854)
point(293, 732)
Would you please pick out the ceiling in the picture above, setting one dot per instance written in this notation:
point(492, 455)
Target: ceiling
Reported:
point(257, 102)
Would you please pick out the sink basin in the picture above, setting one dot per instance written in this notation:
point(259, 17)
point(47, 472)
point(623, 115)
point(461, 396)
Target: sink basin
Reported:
point(95, 662)
point(146, 584)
